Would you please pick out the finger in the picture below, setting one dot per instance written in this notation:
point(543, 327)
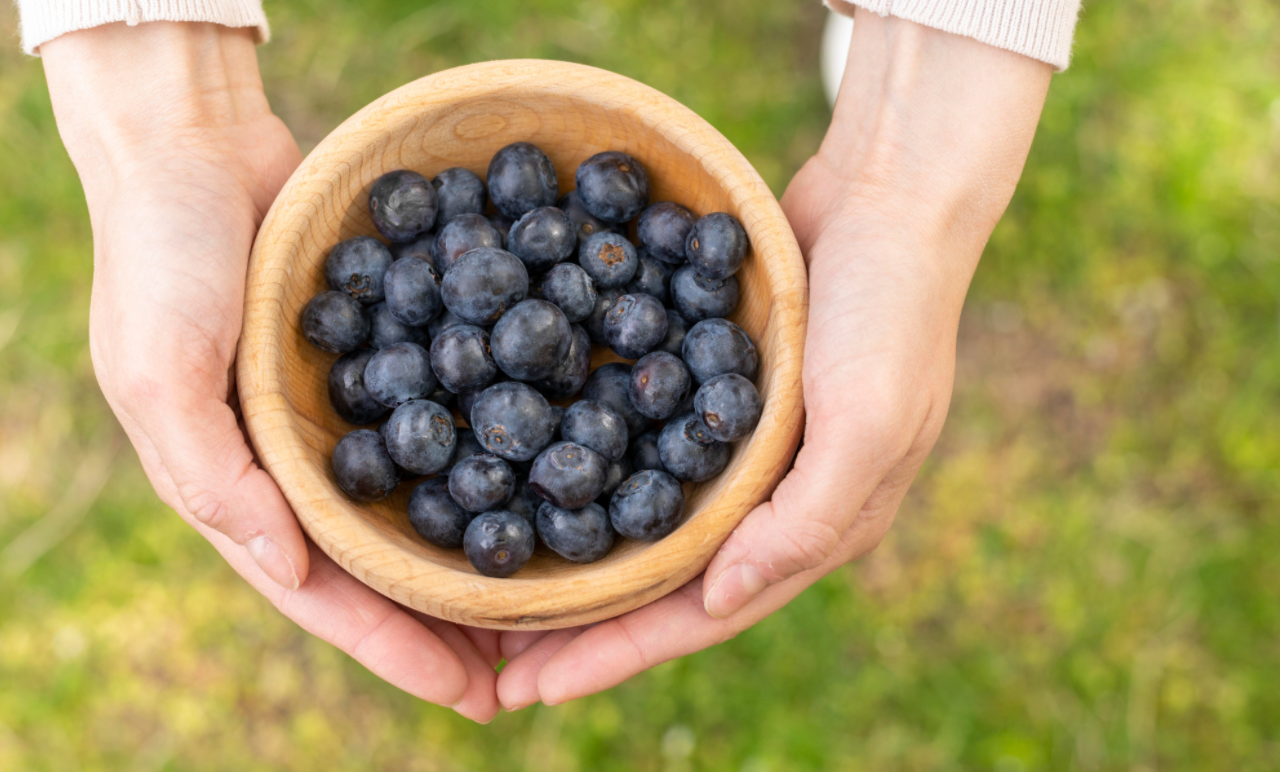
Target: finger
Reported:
point(513, 642)
point(335, 607)
point(480, 703)
point(518, 681)
point(486, 642)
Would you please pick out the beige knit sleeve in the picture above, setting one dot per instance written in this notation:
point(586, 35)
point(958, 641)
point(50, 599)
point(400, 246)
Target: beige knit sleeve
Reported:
point(1040, 29)
point(44, 20)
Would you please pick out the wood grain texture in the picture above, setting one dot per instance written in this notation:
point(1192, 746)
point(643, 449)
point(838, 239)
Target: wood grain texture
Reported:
point(460, 118)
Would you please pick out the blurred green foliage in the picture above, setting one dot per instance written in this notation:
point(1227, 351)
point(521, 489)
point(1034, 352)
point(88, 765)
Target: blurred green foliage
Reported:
point(1082, 579)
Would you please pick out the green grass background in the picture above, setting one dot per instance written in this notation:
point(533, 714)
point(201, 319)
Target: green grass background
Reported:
point(1083, 578)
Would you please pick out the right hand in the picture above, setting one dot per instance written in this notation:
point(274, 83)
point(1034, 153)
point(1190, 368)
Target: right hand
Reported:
point(180, 158)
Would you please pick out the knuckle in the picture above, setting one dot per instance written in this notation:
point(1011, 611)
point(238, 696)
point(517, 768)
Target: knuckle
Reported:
point(805, 545)
point(205, 506)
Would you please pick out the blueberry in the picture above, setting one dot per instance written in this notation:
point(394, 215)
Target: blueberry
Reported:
point(435, 515)
point(717, 245)
point(542, 238)
point(463, 234)
point(568, 474)
point(466, 401)
point(413, 291)
point(347, 393)
point(611, 384)
point(569, 376)
point(385, 329)
point(643, 453)
point(356, 266)
point(364, 470)
point(442, 396)
point(420, 436)
point(403, 205)
point(718, 346)
point(335, 322)
point(443, 322)
point(582, 536)
point(584, 222)
point(648, 506)
point(482, 284)
point(482, 482)
point(613, 186)
point(458, 191)
point(617, 472)
point(512, 420)
point(498, 543)
point(597, 426)
point(399, 373)
point(502, 224)
point(461, 359)
point(594, 323)
point(663, 228)
point(650, 278)
point(418, 249)
point(729, 406)
point(635, 325)
point(521, 179)
point(569, 287)
point(609, 259)
point(531, 340)
point(524, 502)
point(696, 297)
point(466, 447)
point(659, 382)
point(677, 328)
point(557, 416)
point(689, 452)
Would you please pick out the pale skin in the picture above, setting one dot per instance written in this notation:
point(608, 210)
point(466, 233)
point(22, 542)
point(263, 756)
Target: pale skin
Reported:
point(180, 157)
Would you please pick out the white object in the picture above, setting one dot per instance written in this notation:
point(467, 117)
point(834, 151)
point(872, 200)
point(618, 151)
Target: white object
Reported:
point(836, 36)
point(44, 20)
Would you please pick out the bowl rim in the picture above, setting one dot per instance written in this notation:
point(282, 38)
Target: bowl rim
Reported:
point(465, 597)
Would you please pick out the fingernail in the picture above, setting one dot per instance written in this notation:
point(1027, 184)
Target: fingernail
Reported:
point(735, 589)
point(273, 562)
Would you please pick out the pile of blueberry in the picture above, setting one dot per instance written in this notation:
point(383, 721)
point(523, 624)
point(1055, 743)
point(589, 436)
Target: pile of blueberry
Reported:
point(492, 316)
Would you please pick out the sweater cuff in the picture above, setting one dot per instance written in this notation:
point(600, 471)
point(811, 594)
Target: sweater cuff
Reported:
point(1040, 29)
point(44, 20)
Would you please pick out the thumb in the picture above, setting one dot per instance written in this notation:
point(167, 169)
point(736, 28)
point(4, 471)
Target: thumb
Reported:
point(203, 448)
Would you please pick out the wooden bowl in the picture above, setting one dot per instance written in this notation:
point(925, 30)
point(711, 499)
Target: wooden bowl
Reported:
point(461, 117)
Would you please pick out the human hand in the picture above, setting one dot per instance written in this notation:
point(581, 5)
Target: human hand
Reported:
point(180, 158)
point(928, 140)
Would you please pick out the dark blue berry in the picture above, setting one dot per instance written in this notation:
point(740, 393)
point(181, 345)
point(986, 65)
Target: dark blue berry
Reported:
point(581, 536)
point(612, 186)
point(569, 376)
point(609, 259)
point(385, 329)
point(663, 228)
point(461, 359)
point(650, 278)
point(729, 406)
point(364, 470)
point(542, 238)
point(482, 284)
point(635, 325)
point(502, 224)
point(584, 222)
point(482, 482)
point(521, 179)
point(597, 426)
point(403, 205)
point(659, 382)
point(677, 328)
point(399, 373)
point(643, 453)
point(717, 245)
point(611, 384)
point(594, 323)
point(689, 452)
point(420, 436)
point(356, 266)
point(648, 506)
point(466, 447)
point(568, 474)
point(413, 291)
point(347, 393)
point(442, 396)
point(435, 515)
point(443, 322)
point(696, 297)
point(458, 191)
point(570, 288)
point(716, 347)
point(498, 543)
point(531, 340)
point(418, 249)
point(512, 420)
point(617, 472)
point(524, 502)
point(335, 322)
point(463, 234)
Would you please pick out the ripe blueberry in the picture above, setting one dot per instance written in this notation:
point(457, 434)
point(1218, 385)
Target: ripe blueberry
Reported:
point(568, 475)
point(413, 291)
point(729, 406)
point(611, 384)
point(718, 346)
point(635, 325)
point(612, 186)
point(498, 543)
point(481, 482)
point(435, 515)
point(569, 287)
point(335, 322)
point(512, 420)
point(458, 191)
point(403, 205)
point(581, 536)
point(420, 436)
point(597, 426)
point(696, 297)
point(648, 506)
point(584, 222)
point(362, 466)
point(542, 238)
point(659, 382)
point(356, 266)
point(385, 329)
point(347, 393)
point(663, 228)
point(461, 359)
point(609, 259)
point(717, 245)
point(688, 452)
point(461, 235)
point(399, 373)
point(482, 284)
point(531, 340)
point(521, 179)
point(569, 376)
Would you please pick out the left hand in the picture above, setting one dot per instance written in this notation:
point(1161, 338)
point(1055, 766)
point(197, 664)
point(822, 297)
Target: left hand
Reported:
point(925, 148)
